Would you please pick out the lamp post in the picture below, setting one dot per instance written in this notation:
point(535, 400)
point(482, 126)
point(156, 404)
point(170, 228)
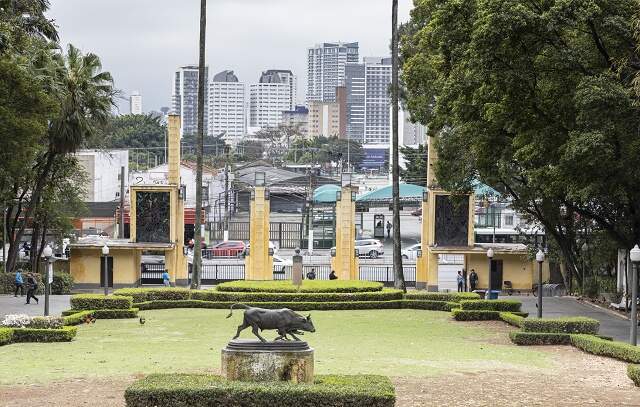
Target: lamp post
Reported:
point(540, 260)
point(634, 254)
point(105, 253)
point(47, 254)
point(490, 257)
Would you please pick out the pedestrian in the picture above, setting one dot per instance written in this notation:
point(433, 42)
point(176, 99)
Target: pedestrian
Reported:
point(473, 280)
point(332, 275)
point(166, 280)
point(460, 282)
point(32, 286)
point(388, 229)
point(19, 284)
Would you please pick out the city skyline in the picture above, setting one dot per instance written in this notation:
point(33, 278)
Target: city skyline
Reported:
point(246, 36)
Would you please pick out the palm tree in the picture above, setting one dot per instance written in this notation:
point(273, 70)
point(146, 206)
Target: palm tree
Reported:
point(197, 251)
point(398, 273)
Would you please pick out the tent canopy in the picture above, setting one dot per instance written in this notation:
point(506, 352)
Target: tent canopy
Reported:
point(407, 191)
point(325, 193)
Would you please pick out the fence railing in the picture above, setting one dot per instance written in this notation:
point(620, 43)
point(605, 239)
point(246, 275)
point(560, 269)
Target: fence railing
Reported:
point(318, 271)
point(151, 273)
point(219, 273)
point(384, 274)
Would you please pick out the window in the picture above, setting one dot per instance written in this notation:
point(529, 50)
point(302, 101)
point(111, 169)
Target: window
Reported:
point(508, 220)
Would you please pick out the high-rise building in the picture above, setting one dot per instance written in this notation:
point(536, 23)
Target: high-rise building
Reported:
point(272, 95)
point(135, 102)
point(377, 121)
point(341, 100)
point(184, 99)
point(324, 119)
point(326, 68)
point(355, 87)
point(227, 105)
point(297, 119)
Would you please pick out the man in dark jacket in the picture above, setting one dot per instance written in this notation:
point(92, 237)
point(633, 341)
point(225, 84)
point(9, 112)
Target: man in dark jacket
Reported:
point(32, 286)
point(473, 279)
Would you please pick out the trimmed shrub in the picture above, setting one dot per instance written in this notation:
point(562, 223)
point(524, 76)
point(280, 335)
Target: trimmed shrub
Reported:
point(432, 296)
point(573, 325)
point(152, 294)
point(479, 315)
point(539, 338)
point(6, 334)
point(491, 305)
point(189, 390)
point(386, 294)
point(308, 286)
point(633, 371)
point(512, 319)
point(295, 306)
point(429, 305)
point(62, 283)
point(115, 313)
point(99, 301)
point(77, 318)
point(602, 347)
point(64, 334)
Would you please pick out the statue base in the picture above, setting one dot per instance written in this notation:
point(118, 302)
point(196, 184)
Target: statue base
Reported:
point(255, 361)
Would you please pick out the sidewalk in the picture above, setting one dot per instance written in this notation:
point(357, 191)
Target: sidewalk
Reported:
point(16, 305)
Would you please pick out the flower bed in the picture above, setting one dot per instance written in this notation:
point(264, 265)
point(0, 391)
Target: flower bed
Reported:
point(26, 321)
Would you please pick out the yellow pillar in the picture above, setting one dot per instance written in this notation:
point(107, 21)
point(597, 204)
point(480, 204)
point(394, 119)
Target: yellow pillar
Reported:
point(421, 264)
point(345, 263)
point(259, 264)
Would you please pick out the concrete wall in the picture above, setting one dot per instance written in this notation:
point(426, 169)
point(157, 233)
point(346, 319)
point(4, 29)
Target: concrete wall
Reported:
point(84, 266)
point(518, 269)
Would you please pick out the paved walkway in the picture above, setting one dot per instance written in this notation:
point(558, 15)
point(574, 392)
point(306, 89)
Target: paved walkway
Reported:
point(555, 307)
point(15, 305)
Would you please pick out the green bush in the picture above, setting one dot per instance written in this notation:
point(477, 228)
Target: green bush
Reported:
point(432, 296)
point(7, 283)
point(64, 334)
point(430, 305)
point(62, 283)
point(386, 294)
point(491, 305)
point(512, 319)
point(633, 371)
point(296, 306)
point(77, 317)
point(479, 315)
point(115, 313)
point(99, 301)
point(602, 347)
point(539, 338)
point(6, 334)
point(151, 294)
point(573, 325)
point(191, 390)
point(308, 286)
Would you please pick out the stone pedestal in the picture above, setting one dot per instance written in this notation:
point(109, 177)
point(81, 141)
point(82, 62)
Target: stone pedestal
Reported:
point(255, 361)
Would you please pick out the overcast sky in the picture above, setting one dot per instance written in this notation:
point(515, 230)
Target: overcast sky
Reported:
point(142, 42)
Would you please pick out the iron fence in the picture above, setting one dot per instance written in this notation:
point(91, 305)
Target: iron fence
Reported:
point(151, 273)
point(318, 271)
point(219, 273)
point(384, 273)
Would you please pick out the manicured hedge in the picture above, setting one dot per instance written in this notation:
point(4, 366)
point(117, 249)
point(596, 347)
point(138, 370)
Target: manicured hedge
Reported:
point(432, 296)
point(386, 294)
point(633, 371)
point(62, 283)
point(5, 336)
point(151, 294)
point(430, 305)
point(77, 318)
point(115, 313)
point(64, 334)
point(598, 346)
point(308, 286)
point(572, 325)
point(191, 390)
point(539, 338)
point(491, 305)
point(512, 319)
point(296, 306)
point(479, 315)
point(99, 301)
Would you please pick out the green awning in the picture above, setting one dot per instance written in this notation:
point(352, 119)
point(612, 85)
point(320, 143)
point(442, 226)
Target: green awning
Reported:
point(407, 191)
point(325, 193)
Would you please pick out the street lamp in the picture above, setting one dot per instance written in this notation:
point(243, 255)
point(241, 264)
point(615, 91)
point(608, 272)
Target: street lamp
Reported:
point(540, 260)
point(47, 254)
point(105, 253)
point(634, 254)
point(490, 257)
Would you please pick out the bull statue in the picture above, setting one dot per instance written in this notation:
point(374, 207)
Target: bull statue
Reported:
point(285, 321)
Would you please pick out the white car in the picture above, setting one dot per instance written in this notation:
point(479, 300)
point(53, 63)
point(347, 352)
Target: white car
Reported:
point(371, 248)
point(411, 252)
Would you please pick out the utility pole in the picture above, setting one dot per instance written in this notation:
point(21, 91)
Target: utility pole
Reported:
point(310, 214)
point(197, 250)
point(398, 272)
point(226, 194)
point(121, 228)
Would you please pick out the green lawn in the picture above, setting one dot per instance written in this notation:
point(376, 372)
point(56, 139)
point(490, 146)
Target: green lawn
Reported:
point(390, 342)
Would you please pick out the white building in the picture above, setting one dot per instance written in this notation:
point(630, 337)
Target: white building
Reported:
point(184, 99)
point(135, 103)
point(103, 173)
point(377, 121)
point(272, 95)
point(326, 68)
point(227, 105)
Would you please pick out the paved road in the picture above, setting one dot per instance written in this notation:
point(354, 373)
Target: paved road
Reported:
point(15, 305)
point(555, 307)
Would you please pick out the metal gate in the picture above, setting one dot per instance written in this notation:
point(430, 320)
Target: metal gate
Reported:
point(219, 273)
point(285, 235)
point(383, 273)
point(151, 273)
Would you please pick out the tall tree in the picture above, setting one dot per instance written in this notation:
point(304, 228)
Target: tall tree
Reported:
point(416, 165)
point(398, 273)
point(197, 252)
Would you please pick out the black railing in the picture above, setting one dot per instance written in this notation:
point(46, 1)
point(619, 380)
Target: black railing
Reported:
point(320, 272)
point(151, 273)
point(219, 273)
point(384, 273)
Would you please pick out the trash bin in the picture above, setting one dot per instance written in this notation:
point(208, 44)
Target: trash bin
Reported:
point(493, 295)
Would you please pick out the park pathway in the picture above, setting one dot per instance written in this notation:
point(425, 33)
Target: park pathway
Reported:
point(15, 305)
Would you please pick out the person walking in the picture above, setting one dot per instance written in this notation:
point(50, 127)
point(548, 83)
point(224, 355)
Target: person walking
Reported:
point(389, 229)
point(460, 279)
point(166, 280)
point(19, 284)
point(473, 280)
point(32, 286)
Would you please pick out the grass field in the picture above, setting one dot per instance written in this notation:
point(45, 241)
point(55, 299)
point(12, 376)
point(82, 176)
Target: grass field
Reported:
point(391, 342)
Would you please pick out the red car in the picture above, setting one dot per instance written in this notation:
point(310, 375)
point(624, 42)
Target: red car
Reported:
point(230, 248)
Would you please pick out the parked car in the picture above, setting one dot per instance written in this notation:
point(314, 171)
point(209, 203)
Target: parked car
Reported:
point(417, 212)
point(369, 248)
point(280, 264)
point(230, 248)
point(411, 252)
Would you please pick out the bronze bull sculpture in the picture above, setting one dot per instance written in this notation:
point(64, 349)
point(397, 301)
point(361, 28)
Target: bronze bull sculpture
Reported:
point(285, 321)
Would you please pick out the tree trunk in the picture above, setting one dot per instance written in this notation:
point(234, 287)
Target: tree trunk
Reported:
point(197, 250)
point(398, 272)
point(33, 254)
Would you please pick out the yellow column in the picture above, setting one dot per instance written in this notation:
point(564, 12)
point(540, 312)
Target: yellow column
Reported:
point(259, 264)
point(345, 263)
point(173, 140)
point(421, 264)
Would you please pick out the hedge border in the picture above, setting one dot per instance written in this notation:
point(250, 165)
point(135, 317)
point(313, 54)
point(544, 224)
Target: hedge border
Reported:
point(386, 294)
point(571, 325)
point(315, 286)
point(512, 319)
point(433, 296)
point(602, 347)
point(77, 317)
point(183, 390)
point(480, 315)
point(539, 338)
point(100, 301)
point(64, 334)
point(116, 313)
point(633, 371)
point(6, 334)
point(491, 305)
